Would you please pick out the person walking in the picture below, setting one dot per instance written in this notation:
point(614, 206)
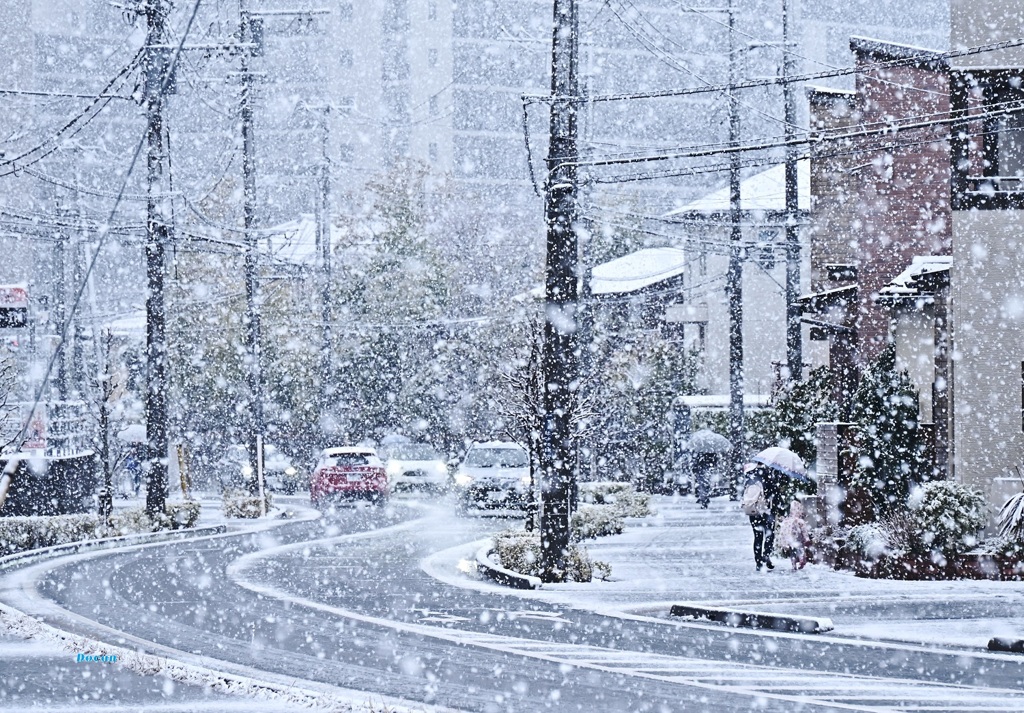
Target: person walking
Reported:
point(759, 495)
point(702, 463)
point(795, 535)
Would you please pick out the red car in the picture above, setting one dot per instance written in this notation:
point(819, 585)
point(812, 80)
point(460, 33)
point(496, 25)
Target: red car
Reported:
point(348, 473)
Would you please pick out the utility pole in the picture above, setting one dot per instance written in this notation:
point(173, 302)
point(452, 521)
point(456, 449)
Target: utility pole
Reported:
point(252, 290)
point(559, 357)
point(323, 226)
point(158, 212)
point(734, 275)
point(794, 346)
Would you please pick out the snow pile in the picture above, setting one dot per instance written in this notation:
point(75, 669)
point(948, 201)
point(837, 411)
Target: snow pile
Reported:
point(35, 531)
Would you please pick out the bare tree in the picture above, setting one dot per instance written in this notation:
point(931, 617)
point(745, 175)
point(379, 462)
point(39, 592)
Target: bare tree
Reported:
point(521, 403)
point(6, 388)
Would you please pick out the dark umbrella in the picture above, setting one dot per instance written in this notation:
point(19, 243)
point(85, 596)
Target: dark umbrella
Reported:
point(706, 441)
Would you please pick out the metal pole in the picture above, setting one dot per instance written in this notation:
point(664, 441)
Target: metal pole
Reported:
point(559, 358)
point(794, 346)
point(734, 276)
point(157, 236)
point(252, 296)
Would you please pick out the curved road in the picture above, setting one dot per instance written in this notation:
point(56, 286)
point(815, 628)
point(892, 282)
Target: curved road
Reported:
point(342, 601)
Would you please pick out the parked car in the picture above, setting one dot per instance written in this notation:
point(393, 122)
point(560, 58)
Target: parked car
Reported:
point(279, 475)
point(351, 473)
point(414, 465)
point(495, 474)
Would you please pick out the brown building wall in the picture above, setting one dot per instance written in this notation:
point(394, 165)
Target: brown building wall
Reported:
point(886, 199)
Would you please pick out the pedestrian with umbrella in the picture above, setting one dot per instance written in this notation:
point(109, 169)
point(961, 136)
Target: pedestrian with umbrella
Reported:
point(705, 445)
point(760, 502)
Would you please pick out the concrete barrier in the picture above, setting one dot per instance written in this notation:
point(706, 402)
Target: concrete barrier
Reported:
point(1013, 646)
point(499, 574)
point(754, 620)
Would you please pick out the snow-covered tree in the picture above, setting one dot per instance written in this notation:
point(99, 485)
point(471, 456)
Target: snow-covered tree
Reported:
point(798, 411)
point(888, 444)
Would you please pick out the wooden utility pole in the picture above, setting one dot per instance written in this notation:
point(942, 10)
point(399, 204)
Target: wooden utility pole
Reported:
point(794, 344)
point(252, 290)
point(323, 229)
point(158, 213)
point(734, 275)
point(559, 357)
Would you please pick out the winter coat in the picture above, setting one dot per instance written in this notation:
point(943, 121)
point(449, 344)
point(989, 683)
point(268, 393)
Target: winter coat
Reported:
point(793, 532)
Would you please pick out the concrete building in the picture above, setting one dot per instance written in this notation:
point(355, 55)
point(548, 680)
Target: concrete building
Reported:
point(987, 289)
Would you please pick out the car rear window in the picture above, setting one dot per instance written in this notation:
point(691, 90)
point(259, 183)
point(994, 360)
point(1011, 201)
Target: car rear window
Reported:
point(343, 459)
point(497, 458)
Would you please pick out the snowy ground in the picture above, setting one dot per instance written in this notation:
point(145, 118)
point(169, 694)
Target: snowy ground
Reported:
point(686, 555)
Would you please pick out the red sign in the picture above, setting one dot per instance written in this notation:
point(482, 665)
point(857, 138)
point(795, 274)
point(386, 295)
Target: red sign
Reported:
point(13, 297)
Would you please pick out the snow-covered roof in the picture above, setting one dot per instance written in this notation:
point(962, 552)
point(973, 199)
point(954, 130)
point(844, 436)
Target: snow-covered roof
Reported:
point(722, 400)
point(908, 282)
point(295, 241)
point(360, 450)
point(636, 271)
point(764, 191)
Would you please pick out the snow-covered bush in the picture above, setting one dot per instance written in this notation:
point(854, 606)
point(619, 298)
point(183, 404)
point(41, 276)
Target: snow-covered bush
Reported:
point(1011, 518)
point(622, 496)
point(591, 521)
point(868, 542)
point(29, 533)
point(519, 551)
point(241, 504)
point(949, 515)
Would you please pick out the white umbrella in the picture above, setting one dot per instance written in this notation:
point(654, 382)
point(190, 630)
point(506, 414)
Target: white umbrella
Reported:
point(784, 461)
point(133, 433)
point(706, 441)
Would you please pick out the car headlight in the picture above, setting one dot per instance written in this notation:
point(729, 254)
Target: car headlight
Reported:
point(463, 479)
point(393, 469)
point(525, 480)
point(247, 470)
point(290, 471)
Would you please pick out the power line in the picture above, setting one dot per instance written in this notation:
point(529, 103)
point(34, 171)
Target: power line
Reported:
point(924, 56)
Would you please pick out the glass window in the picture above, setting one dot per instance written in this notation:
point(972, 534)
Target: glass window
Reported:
point(497, 458)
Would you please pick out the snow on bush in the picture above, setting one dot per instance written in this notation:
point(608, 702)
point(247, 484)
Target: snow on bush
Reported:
point(36, 531)
point(591, 521)
point(240, 504)
point(948, 516)
point(519, 551)
point(868, 542)
point(622, 496)
point(1011, 518)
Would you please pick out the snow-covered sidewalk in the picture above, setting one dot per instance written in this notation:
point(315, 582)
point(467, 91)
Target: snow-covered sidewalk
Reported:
point(684, 554)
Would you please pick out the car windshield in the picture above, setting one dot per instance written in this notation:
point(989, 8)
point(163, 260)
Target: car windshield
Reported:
point(411, 451)
point(497, 458)
point(342, 459)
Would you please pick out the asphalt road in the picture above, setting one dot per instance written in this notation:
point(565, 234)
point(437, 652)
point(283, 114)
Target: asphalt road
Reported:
point(342, 601)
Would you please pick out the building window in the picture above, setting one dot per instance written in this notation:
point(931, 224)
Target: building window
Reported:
point(432, 152)
point(346, 153)
point(988, 151)
point(432, 58)
point(764, 251)
point(431, 9)
point(432, 105)
point(345, 11)
point(345, 59)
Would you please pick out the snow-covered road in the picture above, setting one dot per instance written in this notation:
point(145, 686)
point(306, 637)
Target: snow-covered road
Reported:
point(341, 605)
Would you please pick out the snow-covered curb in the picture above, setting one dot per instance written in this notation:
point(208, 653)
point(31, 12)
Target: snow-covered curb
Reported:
point(499, 574)
point(754, 620)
